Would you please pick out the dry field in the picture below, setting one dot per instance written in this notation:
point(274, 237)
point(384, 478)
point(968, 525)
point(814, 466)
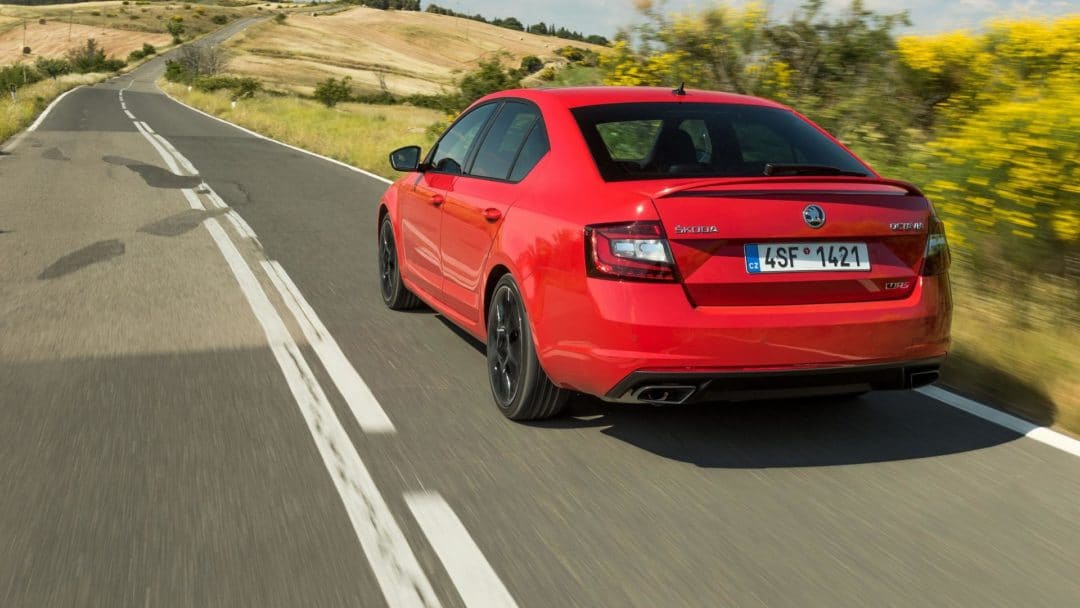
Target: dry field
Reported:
point(54, 39)
point(412, 52)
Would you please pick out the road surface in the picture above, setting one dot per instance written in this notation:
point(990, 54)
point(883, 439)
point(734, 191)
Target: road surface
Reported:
point(203, 402)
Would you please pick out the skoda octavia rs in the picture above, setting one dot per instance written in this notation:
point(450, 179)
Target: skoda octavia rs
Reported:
point(658, 246)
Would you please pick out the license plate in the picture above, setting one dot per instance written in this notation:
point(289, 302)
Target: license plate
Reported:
point(805, 257)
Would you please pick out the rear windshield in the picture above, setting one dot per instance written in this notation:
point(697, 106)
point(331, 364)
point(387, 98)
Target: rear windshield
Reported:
point(657, 140)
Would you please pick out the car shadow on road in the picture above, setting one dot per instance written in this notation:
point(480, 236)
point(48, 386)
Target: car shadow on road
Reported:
point(879, 427)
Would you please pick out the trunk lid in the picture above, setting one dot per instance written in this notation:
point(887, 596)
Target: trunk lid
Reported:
point(719, 229)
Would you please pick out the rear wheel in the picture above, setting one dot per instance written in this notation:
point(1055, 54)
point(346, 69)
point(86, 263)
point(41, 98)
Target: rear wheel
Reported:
point(519, 385)
point(394, 293)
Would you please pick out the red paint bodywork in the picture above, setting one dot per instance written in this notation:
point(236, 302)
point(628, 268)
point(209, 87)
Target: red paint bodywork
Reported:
point(590, 333)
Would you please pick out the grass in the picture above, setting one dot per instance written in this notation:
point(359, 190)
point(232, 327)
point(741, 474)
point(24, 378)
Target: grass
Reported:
point(358, 134)
point(1015, 347)
point(32, 99)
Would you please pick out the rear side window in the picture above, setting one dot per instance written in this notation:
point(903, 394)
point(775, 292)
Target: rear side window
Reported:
point(664, 139)
point(452, 150)
point(504, 139)
point(536, 146)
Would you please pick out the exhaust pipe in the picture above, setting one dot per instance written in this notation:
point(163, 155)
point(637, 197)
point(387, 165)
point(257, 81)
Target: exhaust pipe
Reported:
point(673, 394)
point(917, 379)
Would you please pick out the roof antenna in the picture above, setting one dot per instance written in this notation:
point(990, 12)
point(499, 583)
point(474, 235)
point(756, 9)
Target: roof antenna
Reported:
point(681, 91)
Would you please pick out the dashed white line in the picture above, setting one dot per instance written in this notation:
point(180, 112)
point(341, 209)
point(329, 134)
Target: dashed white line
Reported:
point(281, 143)
point(396, 569)
point(475, 580)
point(364, 406)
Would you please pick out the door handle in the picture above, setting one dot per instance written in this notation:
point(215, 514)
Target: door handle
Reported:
point(492, 214)
point(437, 200)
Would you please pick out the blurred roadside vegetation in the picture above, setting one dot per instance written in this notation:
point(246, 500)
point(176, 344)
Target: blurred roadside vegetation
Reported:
point(986, 123)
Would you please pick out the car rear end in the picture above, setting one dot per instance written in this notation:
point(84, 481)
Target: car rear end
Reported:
point(791, 276)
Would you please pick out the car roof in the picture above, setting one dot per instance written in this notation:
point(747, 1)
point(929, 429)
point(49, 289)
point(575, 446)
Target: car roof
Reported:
point(574, 97)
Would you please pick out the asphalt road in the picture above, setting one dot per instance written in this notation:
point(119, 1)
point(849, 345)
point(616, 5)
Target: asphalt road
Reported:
point(174, 433)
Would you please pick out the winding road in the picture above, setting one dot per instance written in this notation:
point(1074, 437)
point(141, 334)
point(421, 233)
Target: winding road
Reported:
point(203, 402)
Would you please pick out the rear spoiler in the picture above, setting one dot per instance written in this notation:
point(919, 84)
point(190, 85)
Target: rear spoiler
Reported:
point(736, 183)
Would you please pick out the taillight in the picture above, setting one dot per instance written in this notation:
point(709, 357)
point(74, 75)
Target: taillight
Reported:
point(937, 258)
point(635, 250)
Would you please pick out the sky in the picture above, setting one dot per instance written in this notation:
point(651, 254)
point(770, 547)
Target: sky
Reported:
point(606, 16)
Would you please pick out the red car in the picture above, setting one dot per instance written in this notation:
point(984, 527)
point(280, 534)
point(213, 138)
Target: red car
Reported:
point(659, 246)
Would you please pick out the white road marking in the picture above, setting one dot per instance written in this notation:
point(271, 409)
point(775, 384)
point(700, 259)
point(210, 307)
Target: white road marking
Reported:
point(146, 127)
point(241, 226)
point(396, 569)
point(161, 151)
point(400, 576)
point(193, 199)
point(214, 198)
point(475, 580)
point(184, 162)
point(1027, 429)
point(129, 115)
point(281, 143)
point(363, 404)
point(37, 123)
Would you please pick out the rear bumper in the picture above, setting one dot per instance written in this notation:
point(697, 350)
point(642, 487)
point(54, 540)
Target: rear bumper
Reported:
point(665, 386)
point(593, 342)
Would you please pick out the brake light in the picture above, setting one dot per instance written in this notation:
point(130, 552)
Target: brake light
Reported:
point(636, 250)
point(937, 257)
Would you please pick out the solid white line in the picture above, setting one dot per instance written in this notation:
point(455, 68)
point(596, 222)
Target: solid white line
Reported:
point(37, 123)
point(241, 226)
point(213, 196)
point(161, 151)
point(193, 199)
point(363, 404)
point(184, 162)
point(476, 581)
point(396, 569)
point(147, 127)
point(244, 226)
point(1027, 429)
point(129, 115)
point(281, 143)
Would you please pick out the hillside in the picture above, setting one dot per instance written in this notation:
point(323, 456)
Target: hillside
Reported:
point(411, 52)
point(118, 27)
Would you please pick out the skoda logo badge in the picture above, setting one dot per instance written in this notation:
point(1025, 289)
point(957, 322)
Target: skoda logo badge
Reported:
point(814, 216)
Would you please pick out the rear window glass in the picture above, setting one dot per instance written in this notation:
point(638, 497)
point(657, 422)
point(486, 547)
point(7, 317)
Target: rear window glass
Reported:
point(657, 140)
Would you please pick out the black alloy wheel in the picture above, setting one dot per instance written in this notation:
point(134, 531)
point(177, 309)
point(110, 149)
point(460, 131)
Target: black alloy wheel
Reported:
point(394, 293)
point(521, 389)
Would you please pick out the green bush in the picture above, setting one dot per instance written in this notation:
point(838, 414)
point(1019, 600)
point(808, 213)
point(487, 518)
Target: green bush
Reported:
point(220, 19)
point(279, 18)
point(490, 77)
point(136, 55)
point(148, 49)
point(52, 67)
point(176, 72)
point(176, 29)
point(531, 64)
point(332, 91)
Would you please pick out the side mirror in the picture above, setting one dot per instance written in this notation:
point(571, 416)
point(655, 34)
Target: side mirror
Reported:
point(405, 159)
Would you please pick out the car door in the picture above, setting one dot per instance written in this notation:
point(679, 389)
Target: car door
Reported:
point(481, 197)
point(421, 205)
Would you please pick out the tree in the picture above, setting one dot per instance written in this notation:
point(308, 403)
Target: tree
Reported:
point(176, 29)
point(490, 77)
point(332, 91)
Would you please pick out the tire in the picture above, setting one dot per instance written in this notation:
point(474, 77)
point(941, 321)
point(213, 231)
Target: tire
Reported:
point(394, 293)
point(521, 389)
